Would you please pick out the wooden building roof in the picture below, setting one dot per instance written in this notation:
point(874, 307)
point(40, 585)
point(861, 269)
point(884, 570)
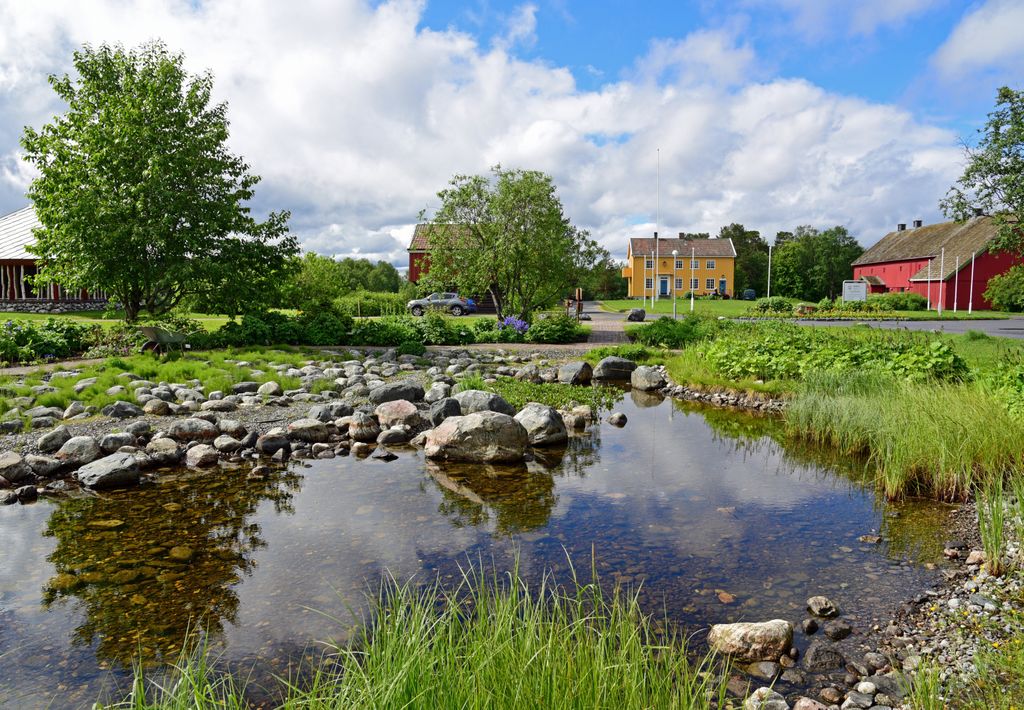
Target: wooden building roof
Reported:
point(957, 238)
point(16, 234)
point(722, 248)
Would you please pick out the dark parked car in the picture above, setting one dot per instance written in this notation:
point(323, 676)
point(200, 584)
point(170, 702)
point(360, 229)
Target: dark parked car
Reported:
point(749, 295)
point(441, 301)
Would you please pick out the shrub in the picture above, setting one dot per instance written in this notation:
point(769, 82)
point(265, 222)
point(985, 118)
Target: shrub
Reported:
point(24, 341)
point(1006, 291)
point(669, 333)
point(906, 301)
point(372, 303)
point(556, 328)
point(771, 306)
point(412, 347)
point(436, 328)
point(325, 327)
point(385, 331)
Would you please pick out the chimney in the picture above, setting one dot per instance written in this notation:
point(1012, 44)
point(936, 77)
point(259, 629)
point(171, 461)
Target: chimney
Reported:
point(901, 227)
point(655, 235)
point(978, 212)
point(918, 223)
point(681, 234)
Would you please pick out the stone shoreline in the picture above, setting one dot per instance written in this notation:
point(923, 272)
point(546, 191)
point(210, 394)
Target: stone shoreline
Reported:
point(380, 401)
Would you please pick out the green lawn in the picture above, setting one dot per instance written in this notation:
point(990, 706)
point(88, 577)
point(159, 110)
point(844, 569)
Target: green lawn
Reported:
point(735, 308)
point(731, 308)
point(210, 322)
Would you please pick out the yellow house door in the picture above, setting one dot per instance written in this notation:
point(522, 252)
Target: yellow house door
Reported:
point(663, 287)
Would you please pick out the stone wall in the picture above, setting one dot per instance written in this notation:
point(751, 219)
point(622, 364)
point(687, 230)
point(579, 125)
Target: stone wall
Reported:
point(44, 306)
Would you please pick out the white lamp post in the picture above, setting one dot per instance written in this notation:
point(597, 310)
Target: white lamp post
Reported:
point(675, 255)
point(693, 257)
point(769, 294)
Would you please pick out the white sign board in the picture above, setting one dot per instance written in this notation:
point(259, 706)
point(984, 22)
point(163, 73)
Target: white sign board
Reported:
point(855, 290)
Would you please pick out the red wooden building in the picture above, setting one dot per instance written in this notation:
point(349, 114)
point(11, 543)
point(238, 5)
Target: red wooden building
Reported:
point(419, 258)
point(938, 261)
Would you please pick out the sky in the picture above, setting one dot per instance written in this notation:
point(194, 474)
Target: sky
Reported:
point(668, 116)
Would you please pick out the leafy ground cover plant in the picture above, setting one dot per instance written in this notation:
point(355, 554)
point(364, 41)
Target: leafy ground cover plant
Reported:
point(773, 351)
point(671, 333)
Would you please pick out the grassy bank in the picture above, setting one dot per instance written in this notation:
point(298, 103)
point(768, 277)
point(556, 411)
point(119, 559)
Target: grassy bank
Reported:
point(217, 370)
point(494, 642)
point(934, 439)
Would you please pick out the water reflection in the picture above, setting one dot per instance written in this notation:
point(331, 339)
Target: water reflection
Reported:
point(716, 513)
point(144, 566)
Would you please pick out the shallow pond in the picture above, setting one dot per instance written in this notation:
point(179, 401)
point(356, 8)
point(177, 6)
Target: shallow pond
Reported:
point(716, 518)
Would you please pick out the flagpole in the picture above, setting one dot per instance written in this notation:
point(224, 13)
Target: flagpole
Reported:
point(956, 284)
point(942, 279)
point(970, 302)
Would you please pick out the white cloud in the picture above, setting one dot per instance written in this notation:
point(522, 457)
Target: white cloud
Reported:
point(355, 116)
point(816, 20)
point(988, 38)
point(520, 27)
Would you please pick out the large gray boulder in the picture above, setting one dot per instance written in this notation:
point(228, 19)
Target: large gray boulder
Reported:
point(79, 450)
point(309, 430)
point(201, 456)
point(193, 430)
point(13, 468)
point(362, 427)
point(636, 315)
point(122, 410)
point(444, 408)
point(227, 444)
point(403, 389)
point(575, 373)
point(163, 451)
point(765, 699)
point(270, 389)
point(645, 378)
point(114, 441)
point(437, 392)
point(543, 424)
point(752, 641)
point(44, 466)
point(156, 407)
point(112, 471)
point(52, 440)
point(823, 656)
point(273, 441)
point(472, 401)
point(399, 411)
point(614, 368)
point(481, 437)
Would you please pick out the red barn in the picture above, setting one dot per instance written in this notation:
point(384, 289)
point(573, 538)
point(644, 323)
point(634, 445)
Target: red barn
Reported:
point(419, 258)
point(937, 261)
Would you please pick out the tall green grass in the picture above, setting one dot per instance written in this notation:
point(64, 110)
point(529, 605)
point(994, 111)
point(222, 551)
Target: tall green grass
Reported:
point(494, 642)
point(932, 439)
point(991, 524)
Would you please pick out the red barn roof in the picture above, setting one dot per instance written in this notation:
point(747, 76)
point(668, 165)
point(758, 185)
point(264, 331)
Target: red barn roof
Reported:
point(957, 238)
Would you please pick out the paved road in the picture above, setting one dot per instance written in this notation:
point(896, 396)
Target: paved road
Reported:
point(1008, 328)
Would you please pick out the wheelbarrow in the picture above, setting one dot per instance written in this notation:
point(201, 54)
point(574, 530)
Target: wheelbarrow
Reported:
point(159, 340)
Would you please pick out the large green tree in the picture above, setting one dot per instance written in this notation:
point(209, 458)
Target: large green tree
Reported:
point(138, 193)
point(813, 264)
point(506, 234)
point(318, 279)
point(751, 258)
point(993, 178)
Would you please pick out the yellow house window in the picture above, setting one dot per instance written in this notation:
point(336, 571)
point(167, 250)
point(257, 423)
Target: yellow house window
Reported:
point(710, 263)
point(694, 284)
point(709, 284)
point(695, 263)
point(679, 263)
point(679, 284)
point(649, 263)
point(648, 283)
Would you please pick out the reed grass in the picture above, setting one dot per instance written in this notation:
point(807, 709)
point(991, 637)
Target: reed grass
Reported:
point(925, 690)
point(935, 439)
point(493, 642)
point(991, 506)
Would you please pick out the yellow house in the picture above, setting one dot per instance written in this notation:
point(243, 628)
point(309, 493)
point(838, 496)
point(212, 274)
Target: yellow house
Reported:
point(704, 266)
